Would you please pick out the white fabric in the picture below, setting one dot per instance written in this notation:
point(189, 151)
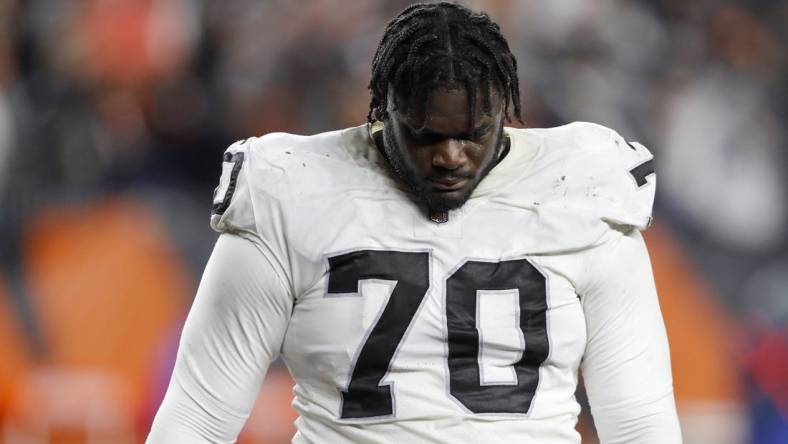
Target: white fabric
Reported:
point(233, 333)
point(563, 199)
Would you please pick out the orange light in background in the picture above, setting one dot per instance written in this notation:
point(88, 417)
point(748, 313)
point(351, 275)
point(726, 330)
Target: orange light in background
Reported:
point(130, 43)
point(106, 287)
point(706, 376)
point(14, 359)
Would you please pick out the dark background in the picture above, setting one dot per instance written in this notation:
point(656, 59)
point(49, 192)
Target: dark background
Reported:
point(114, 115)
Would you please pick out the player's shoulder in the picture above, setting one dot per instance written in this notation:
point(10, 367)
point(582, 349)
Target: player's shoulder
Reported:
point(283, 151)
point(590, 145)
point(300, 159)
point(579, 137)
point(277, 169)
point(593, 168)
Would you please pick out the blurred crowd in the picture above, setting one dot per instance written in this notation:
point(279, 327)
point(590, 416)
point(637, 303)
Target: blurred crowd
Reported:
point(135, 100)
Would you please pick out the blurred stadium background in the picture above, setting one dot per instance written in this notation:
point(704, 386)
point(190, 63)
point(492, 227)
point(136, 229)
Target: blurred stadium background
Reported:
point(114, 115)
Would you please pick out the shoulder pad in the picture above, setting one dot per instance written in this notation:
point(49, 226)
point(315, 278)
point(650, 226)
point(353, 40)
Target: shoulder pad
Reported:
point(620, 175)
point(243, 195)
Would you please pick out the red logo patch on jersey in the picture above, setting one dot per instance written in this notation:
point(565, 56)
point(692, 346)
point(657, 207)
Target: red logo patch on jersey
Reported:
point(439, 217)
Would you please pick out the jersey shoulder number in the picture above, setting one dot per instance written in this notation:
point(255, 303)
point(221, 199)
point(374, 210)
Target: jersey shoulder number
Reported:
point(231, 208)
point(223, 194)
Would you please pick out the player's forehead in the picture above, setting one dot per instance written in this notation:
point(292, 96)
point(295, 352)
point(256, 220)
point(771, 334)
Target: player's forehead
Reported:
point(447, 110)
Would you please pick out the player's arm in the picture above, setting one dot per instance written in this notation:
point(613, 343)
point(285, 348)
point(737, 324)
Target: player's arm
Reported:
point(626, 366)
point(233, 332)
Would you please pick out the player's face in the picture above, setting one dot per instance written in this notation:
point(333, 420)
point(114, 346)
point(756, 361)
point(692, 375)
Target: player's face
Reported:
point(443, 152)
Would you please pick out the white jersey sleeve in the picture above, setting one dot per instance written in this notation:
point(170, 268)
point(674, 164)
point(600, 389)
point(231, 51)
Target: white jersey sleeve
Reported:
point(233, 332)
point(626, 365)
point(236, 324)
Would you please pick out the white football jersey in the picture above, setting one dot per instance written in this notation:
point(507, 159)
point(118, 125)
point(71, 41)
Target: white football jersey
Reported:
point(398, 329)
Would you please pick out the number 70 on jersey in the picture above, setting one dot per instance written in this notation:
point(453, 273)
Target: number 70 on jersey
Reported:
point(364, 397)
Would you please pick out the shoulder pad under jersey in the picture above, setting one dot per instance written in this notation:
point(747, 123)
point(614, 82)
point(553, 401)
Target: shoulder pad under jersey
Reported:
point(243, 200)
point(618, 176)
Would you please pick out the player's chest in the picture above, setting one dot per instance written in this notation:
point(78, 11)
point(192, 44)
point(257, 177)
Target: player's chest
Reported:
point(363, 262)
point(462, 302)
point(483, 230)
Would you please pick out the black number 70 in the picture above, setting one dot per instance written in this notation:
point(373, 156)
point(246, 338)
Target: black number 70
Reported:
point(364, 397)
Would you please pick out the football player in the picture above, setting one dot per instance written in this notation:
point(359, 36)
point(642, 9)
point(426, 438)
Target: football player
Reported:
point(433, 275)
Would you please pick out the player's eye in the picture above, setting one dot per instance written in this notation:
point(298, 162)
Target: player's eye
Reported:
point(422, 138)
point(481, 133)
point(431, 139)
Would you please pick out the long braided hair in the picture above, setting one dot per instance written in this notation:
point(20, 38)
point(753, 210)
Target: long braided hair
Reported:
point(442, 44)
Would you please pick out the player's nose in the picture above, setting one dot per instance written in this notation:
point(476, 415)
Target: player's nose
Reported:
point(449, 154)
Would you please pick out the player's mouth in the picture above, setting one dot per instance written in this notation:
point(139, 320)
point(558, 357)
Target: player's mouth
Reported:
point(447, 184)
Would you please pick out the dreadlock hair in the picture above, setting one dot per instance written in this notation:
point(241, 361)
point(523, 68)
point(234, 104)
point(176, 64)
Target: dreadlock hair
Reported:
point(442, 44)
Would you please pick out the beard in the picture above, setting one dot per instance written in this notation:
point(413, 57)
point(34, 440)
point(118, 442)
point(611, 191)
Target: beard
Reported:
point(420, 187)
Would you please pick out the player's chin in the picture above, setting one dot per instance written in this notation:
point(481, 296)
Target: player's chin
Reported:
point(443, 200)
